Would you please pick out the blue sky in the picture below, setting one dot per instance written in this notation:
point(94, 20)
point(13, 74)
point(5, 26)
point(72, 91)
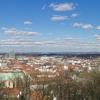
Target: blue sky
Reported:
point(50, 25)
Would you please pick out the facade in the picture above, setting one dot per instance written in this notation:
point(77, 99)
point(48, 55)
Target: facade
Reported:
point(14, 85)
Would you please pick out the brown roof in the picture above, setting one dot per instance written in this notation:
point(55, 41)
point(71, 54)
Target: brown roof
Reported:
point(11, 91)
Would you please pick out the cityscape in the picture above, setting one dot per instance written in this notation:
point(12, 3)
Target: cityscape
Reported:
point(49, 77)
point(49, 50)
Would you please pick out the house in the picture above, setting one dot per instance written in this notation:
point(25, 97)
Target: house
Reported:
point(13, 84)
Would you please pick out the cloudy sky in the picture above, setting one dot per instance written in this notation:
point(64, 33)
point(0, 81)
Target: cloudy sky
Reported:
point(50, 25)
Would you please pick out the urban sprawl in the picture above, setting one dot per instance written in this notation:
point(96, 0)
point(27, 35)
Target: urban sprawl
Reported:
point(49, 77)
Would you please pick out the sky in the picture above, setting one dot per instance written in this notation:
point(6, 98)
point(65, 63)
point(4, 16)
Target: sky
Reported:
point(50, 25)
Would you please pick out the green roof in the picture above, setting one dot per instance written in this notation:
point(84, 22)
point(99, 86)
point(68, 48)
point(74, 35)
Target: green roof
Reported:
point(11, 75)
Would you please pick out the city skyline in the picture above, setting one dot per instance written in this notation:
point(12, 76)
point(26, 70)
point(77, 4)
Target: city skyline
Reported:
point(49, 25)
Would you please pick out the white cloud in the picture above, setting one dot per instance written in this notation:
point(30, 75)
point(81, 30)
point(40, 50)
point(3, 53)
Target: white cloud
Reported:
point(74, 15)
point(98, 27)
point(14, 31)
point(62, 6)
point(66, 43)
point(83, 26)
point(97, 37)
point(71, 39)
point(27, 22)
point(62, 18)
point(58, 18)
point(77, 24)
point(87, 26)
point(29, 42)
point(23, 42)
